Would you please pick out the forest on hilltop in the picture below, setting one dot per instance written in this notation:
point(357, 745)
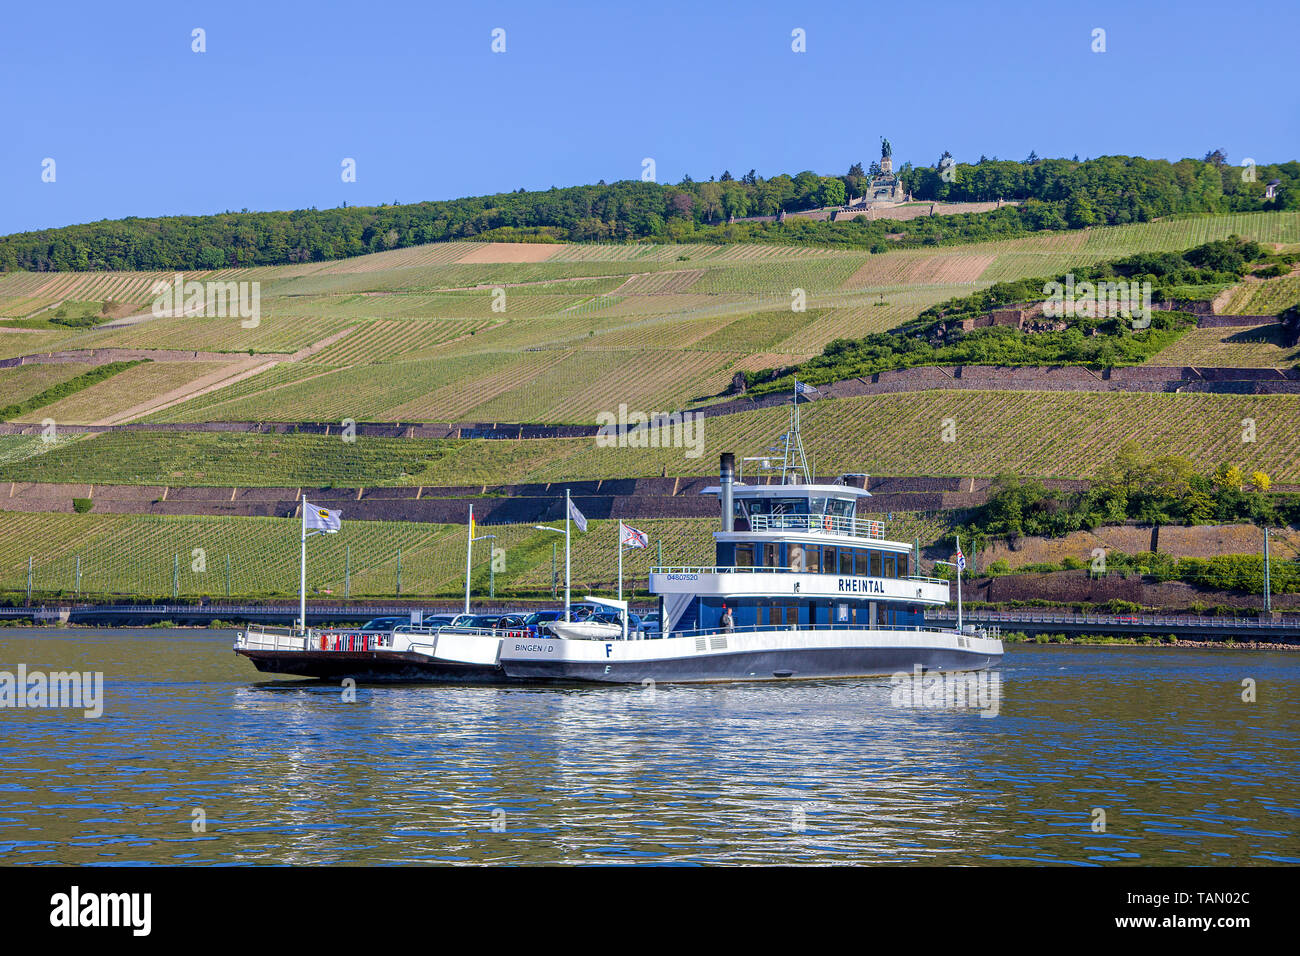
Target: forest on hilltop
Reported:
point(1057, 194)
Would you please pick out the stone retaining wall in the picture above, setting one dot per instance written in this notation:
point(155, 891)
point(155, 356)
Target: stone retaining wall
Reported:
point(1067, 587)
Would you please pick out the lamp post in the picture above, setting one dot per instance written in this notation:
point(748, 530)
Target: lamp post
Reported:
point(1268, 582)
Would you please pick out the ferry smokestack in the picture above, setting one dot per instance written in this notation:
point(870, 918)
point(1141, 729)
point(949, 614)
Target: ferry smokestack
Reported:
point(726, 478)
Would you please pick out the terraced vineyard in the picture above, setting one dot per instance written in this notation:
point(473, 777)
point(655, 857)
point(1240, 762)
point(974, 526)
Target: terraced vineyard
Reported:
point(585, 383)
point(1276, 227)
point(893, 434)
point(1049, 434)
point(1259, 346)
point(149, 556)
point(920, 268)
point(103, 400)
point(274, 333)
point(14, 343)
point(412, 333)
point(780, 276)
point(207, 458)
point(21, 447)
point(21, 383)
point(1264, 297)
point(387, 340)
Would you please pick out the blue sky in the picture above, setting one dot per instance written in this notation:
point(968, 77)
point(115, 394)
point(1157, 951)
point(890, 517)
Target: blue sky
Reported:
point(138, 124)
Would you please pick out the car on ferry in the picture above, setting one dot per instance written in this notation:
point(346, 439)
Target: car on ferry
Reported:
point(537, 621)
point(382, 625)
point(446, 620)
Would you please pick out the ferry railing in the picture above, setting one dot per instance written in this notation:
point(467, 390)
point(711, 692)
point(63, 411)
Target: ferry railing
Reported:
point(767, 628)
point(750, 569)
point(827, 524)
point(354, 639)
point(263, 638)
point(416, 630)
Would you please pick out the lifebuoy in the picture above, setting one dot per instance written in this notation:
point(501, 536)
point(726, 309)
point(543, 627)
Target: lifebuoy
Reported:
point(826, 522)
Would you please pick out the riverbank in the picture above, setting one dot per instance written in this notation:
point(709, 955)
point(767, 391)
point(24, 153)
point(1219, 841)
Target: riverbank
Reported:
point(1103, 640)
point(20, 627)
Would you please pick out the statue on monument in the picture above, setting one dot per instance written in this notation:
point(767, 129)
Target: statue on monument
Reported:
point(886, 149)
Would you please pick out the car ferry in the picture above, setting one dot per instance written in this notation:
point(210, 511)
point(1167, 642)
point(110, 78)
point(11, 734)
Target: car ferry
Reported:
point(801, 587)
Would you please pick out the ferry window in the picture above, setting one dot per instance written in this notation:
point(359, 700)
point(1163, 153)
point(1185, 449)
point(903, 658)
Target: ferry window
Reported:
point(889, 566)
point(744, 555)
point(860, 562)
point(772, 555)
point(812, 558)
point(846, 560)
point(882, 618)
point(792, 615)
point(902, 565)
point(828, 560)
point(796, 556)
point(775, 614)
point(875, 564)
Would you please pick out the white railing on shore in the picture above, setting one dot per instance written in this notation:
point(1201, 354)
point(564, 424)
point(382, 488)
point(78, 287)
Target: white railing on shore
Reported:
point(1116, 620)
point(822, 524)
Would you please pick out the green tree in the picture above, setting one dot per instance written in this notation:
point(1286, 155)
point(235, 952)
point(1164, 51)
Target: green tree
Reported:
point(832, 192)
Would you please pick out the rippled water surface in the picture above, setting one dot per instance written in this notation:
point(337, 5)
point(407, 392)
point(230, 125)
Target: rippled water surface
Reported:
point(821, 772)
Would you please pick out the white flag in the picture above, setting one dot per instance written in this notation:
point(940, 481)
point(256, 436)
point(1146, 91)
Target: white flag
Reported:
point(961, 560)
point(630, 537)
point(321, 519)
point(578, 517)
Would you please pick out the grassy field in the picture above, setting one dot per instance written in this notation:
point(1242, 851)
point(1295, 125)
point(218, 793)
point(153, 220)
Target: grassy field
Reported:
point(894, 434)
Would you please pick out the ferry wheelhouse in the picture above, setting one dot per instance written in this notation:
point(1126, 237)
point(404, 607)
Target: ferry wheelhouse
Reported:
point(797, 556)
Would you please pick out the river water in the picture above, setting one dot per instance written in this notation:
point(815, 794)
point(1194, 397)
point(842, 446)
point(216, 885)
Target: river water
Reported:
point(1097, 755)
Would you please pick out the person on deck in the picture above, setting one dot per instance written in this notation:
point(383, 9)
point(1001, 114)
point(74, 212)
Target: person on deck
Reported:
point(727, 622)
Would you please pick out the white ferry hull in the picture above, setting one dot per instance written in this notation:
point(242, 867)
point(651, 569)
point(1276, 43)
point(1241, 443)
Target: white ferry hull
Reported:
point(782, 655)
point(752, 656)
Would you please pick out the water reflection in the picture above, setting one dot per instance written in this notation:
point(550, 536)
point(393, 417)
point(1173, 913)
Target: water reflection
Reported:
point(286, 771)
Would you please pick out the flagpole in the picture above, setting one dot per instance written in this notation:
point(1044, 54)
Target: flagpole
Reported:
point(567, 506)
point(620, 577)
point(469, 552)
point(960, 559)
point(302, 570)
